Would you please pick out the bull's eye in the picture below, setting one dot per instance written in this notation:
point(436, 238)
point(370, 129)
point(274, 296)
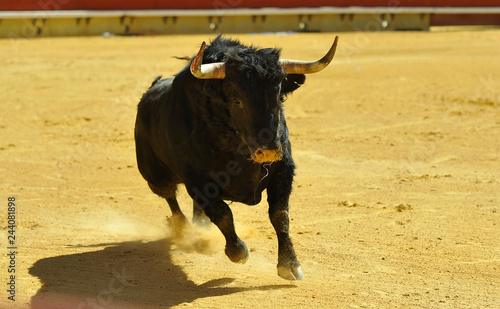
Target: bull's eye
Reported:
point(237, 101)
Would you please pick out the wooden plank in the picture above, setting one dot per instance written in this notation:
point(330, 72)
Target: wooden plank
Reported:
point(25, 24)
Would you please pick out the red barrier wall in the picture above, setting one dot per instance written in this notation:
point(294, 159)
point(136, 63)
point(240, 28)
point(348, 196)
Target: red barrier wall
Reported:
point(36, 5)
point(465, 19)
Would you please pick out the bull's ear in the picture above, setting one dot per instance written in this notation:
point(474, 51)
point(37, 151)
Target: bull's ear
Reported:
point(291, 83)
point(213, 88)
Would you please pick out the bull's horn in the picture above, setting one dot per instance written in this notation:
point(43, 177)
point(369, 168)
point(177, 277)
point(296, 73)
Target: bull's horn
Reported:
point(307, 67)
point(207, 71)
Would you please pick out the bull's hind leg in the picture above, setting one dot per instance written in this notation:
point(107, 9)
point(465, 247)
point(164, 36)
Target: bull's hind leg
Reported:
point(168, 191)
point(199, 216)
point(278, 195)
point(159, 178)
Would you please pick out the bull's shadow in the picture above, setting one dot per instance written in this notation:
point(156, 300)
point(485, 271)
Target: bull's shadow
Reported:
point(123, 275)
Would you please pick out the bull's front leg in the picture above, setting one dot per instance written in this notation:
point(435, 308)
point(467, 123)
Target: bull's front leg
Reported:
point(220, 214)
point(278, 195)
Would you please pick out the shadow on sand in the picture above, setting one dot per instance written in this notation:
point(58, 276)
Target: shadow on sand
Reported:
point(123, 275)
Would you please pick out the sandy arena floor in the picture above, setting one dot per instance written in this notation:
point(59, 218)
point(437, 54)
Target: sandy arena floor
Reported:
point(396, 199)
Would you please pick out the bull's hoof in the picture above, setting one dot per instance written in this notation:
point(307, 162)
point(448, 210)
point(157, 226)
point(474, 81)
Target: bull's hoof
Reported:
point(290, 272)
point(237, 253)
point(177, 223)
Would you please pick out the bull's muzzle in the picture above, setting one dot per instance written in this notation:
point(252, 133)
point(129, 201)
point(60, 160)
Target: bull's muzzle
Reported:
point(266, 156)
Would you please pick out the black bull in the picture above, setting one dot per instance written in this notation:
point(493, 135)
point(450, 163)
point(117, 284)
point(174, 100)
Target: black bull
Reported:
point(219, 128)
